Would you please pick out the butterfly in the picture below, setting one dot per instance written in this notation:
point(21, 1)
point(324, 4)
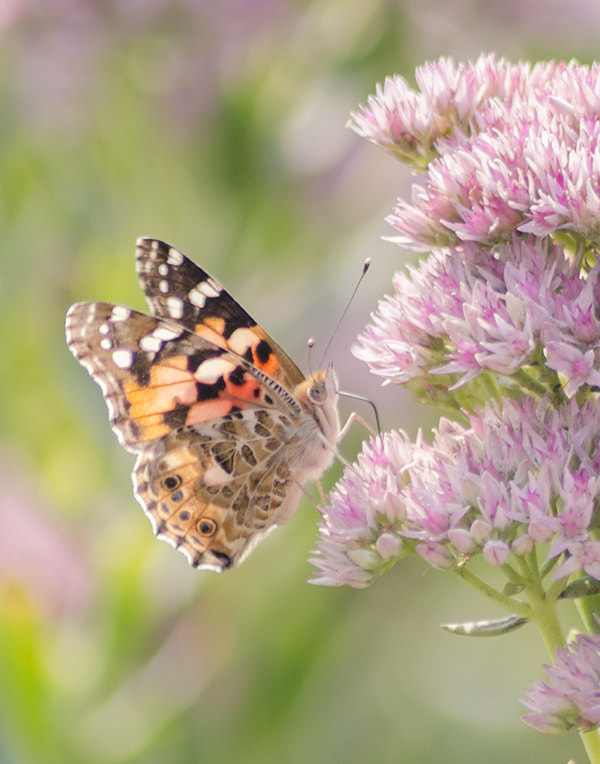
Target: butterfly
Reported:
point(226, 428)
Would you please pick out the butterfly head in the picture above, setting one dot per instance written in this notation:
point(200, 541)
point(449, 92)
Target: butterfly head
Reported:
point(318, 396)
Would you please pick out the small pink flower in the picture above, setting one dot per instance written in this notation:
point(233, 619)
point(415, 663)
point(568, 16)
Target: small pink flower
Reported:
point(436, 555)
point(582, 556)
point(578, 366)
point(388, 545)
point(522, 545)
point(463, 540)
point(496, 552)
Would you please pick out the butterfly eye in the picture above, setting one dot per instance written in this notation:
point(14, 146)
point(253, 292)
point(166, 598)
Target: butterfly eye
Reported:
point(206, 527)
point(317, 393)
point(171, 482)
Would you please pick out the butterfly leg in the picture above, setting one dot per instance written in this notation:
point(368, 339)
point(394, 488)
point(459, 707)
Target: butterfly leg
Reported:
point(321, 491)
point(354, 417)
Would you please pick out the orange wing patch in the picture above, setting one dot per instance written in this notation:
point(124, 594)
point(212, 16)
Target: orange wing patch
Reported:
point(265, 353)
point(212, 330)
point(261, 347)
point(173, 387)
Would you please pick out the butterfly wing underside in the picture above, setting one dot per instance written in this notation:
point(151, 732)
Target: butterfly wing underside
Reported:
point(202, 395)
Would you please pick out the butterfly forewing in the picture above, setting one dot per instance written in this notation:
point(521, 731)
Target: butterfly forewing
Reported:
point(177, 289)
point(155, 375)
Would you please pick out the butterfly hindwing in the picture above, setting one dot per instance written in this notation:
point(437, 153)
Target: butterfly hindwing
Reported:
point(213, 489)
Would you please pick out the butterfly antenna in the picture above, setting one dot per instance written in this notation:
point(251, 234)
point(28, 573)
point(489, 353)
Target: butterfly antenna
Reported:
point(311, 344)
point(366, 266)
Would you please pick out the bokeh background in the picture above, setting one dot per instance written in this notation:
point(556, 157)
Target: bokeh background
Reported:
point(220, 127)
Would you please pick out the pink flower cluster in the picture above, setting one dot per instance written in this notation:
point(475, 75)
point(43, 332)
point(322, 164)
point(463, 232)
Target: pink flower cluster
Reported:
point(467, 310)
point(501, 323)
point(522, 474)
point(504, 310)
point(506, 147)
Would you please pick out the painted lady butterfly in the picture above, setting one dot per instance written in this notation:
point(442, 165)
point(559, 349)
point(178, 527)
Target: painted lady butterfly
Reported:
point(226, 427)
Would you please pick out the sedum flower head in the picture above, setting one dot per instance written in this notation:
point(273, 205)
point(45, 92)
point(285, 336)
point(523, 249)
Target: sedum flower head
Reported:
point(498, 323)
point(519, 475)
point(505, 148)
point(527, 306)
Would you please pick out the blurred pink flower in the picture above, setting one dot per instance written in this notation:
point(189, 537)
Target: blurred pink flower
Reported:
point(36, 556)
point(179, 53)
point(570, 697)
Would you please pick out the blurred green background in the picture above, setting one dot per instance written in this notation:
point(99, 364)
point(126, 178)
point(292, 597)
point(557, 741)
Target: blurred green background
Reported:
point(220, 127)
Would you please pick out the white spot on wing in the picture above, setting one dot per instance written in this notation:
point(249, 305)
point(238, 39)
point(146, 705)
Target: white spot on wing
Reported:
point(197, 298)
point(210, 371)
point(153, 342)
point(241, 340)
point(175, 257)
point(123, 358)
point(175, 307)
point(120, 313)
point(105, 343)
point(166, 333)
point(202, 291)
point(210, 287)
point(163, 269)
point(163, 286)
point(150, 344)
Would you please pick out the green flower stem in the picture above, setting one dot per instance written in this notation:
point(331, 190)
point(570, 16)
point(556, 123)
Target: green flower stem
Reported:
point(530, 384)
point(543, 614)
point(513, 576)
point(591, 743)
point(588, 607)
point(540, 609)
point(507, 603)
point(543, 606)
point(529, 572)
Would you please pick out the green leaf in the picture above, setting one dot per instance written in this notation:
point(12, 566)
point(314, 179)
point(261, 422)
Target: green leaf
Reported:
point(486, 628)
